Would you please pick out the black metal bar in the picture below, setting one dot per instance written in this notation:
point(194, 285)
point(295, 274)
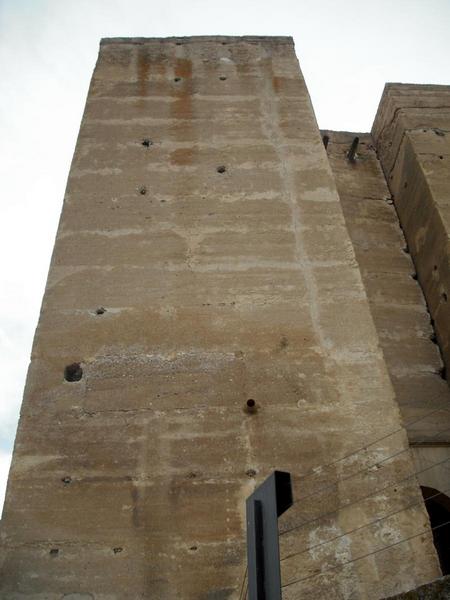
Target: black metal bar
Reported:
point(259, 550)
point(270, 500)
point(351, 154)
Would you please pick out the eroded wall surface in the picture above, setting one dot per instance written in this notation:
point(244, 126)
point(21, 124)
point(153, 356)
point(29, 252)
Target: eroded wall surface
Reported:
point(437, 590)
point(203, 260)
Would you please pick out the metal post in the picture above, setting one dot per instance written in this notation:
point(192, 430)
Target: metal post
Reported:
point(351, 154)
point(270, 500)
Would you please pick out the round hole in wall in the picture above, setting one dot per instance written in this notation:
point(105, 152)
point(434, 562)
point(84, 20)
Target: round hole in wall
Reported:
point(221, 169)
point(177, 79)
point(54, 551)
point(147, 142)
point(100, 310)
point(222, 78)
point(250, 406)
point(73, 372)
point(143, 190)
point(66, 480)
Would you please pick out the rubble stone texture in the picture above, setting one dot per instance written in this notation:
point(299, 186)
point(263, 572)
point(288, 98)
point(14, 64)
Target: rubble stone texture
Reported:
point(204, 259)
point(436, 590)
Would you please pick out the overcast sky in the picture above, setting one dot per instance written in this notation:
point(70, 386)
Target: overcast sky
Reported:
point(347, 51)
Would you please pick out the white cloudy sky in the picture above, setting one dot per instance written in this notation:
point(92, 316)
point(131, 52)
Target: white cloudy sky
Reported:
point(347, 49)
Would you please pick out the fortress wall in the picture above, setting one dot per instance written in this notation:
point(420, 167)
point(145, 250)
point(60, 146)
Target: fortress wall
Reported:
point(219, 285)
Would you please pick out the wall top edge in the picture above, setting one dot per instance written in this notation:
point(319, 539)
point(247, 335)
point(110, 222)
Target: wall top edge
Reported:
point(251, 39)
point(408, 96)
point(419, 87)
point(352, 134)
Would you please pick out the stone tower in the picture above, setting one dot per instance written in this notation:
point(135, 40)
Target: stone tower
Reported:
point(205, 263)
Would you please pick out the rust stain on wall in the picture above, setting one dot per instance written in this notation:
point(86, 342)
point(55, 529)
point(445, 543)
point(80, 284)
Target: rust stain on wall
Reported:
point(143, 69)
point(182, 107)
point(183, 156)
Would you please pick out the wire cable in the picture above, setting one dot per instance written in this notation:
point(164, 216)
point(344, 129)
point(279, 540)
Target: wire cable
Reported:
point(313, 471)
point(374, 522)
point(340, 565)
point(404, 427)
point(377, 491)
point(340, 479)
point(243, 583)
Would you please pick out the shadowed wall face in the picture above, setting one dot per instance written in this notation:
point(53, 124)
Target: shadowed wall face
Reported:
point(412, 133)
point(202, 260)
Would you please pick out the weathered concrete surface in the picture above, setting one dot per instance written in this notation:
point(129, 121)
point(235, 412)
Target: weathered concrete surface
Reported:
point(436, 590)
point(397, 304)
point(218, 287)
point(412, 133)
point(396, 299)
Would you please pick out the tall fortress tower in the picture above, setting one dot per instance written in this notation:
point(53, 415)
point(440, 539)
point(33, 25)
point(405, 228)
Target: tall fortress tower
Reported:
point(232, 292)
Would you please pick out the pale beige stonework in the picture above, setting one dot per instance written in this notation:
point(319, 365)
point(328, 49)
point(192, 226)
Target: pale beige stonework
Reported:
point(218, 287)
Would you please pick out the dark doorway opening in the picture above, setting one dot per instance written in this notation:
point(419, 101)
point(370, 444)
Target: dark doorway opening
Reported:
point(438, 507)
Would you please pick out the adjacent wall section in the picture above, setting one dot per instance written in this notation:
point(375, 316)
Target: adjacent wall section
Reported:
point(412, 134)
point(399, 309)
point(202, 261)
